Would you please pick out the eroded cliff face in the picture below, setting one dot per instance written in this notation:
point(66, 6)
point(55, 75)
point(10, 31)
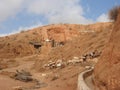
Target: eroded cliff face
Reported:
point(107, 71)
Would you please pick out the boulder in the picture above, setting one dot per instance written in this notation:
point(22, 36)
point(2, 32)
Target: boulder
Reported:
point(22, 76)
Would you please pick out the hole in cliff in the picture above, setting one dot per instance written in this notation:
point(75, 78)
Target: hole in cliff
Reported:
point(36, 45)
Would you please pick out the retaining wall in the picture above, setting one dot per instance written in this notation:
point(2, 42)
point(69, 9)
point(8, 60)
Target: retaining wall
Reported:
point(81, 80)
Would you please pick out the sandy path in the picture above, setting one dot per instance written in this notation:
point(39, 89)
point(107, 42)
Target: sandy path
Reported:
point(7, 83)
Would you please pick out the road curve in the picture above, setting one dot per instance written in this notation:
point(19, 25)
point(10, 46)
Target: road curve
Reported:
point(85, 81)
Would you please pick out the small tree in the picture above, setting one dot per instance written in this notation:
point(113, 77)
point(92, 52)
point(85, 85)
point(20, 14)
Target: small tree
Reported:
point(113, 13)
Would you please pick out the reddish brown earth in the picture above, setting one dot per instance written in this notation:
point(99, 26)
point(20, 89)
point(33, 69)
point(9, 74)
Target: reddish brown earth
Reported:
point(7, 83)
point(107, 71)
point(83, 43)
point(17, 53)
point(17, 45)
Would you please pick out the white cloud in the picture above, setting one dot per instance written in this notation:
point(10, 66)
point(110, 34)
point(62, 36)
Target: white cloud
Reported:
point(59, 11)
point(9, 8)
point(29, 27)
point(21, 28)
point(52, 6)
point(54, 11)
point(103, 18)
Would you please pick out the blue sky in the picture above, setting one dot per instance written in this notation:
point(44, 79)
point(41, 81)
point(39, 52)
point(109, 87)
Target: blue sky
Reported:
point(17, 15)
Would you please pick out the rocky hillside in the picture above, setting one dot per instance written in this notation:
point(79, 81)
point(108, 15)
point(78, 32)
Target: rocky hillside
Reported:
point(50, 44)
point(22, 44)
point(85, 42)
point(107, 71)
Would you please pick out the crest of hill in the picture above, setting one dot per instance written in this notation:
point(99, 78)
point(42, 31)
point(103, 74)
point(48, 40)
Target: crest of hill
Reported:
point(18, 45)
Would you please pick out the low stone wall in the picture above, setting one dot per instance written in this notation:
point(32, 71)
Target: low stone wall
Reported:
point(81, 80)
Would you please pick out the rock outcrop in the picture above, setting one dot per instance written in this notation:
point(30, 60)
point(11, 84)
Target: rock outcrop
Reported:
point(107, 71)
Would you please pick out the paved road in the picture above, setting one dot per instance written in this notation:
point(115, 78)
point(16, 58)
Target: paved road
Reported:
point(89, 82)
point(81, 80)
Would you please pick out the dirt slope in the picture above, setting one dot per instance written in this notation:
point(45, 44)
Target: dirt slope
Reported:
point(18, 45)
point(80, 45)
point(107, 71)
point(79, 39)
